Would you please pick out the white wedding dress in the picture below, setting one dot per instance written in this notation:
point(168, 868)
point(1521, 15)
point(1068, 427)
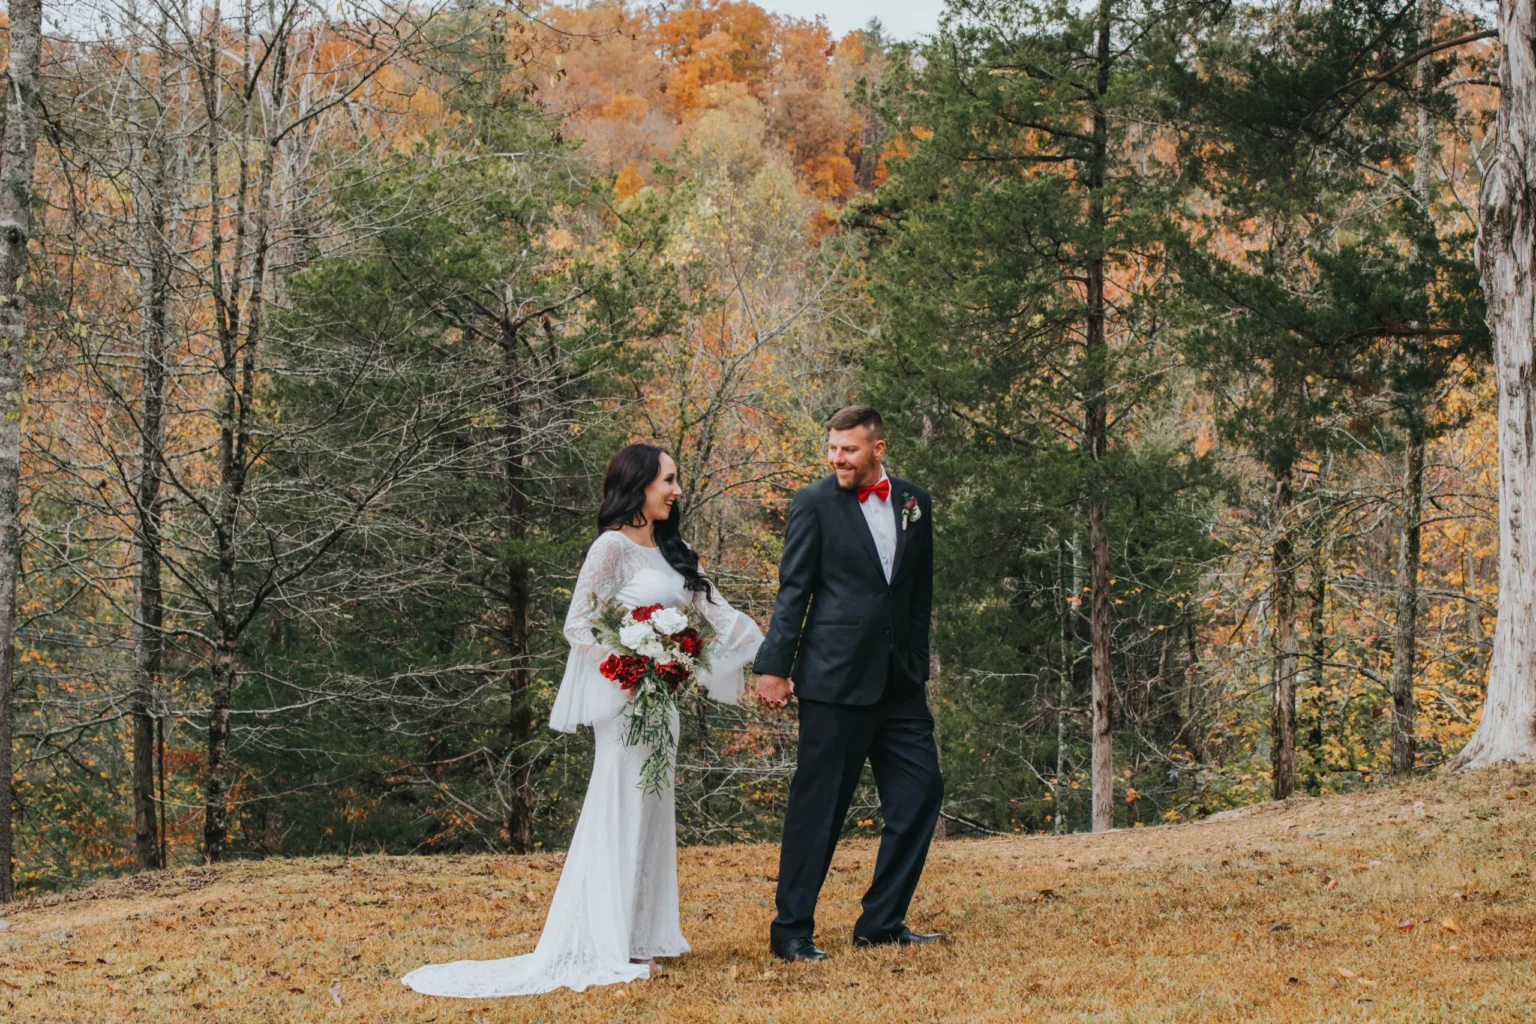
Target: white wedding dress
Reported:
point(617, 897)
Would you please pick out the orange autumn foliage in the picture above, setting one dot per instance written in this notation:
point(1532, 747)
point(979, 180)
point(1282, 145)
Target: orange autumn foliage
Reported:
point(634, 85)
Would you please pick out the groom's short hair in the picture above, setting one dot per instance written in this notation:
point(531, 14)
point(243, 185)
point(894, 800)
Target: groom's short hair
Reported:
point(858, 416)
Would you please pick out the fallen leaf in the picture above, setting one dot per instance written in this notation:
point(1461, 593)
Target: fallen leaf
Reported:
point(1345, 972)
point(1406, 924)
point(335, 991)
point(1450, 925)
point(1280, 926)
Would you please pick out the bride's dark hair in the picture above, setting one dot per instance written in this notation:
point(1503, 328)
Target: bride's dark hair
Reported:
point(632, 470)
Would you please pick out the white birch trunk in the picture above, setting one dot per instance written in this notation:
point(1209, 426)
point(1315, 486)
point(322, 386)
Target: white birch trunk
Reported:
point(1506, 256)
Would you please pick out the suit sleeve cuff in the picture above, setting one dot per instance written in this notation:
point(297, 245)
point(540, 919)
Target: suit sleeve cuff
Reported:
point(772, 664)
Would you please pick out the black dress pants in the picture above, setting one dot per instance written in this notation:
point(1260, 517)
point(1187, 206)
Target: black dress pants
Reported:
point(896, 737)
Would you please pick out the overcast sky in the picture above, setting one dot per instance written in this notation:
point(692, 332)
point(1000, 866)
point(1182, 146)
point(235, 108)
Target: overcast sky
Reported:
point(903, 19)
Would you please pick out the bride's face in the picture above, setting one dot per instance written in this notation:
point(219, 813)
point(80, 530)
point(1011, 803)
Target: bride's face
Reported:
point(662, 493)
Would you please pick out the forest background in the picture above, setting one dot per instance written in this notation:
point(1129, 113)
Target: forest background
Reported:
point(335, 316)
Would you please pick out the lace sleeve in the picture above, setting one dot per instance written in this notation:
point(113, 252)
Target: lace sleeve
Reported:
point(736, 641)
point(601, 577)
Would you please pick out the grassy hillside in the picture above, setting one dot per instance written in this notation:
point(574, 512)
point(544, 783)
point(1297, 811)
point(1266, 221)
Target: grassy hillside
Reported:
point(1406, 903)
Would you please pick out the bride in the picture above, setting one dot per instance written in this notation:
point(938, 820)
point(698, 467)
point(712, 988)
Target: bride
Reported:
point(616, 905)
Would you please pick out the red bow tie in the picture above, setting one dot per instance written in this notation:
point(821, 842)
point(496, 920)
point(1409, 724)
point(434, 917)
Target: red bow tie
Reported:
point(881, 490)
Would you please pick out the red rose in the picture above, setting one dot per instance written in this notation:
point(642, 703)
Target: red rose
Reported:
point(644, 614)
point(673, 673)
point(632, 669)
point(689, 642)
point(625, 669)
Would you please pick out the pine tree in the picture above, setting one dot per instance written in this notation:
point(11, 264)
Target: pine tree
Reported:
point(1017, 264)
point(467, 338)
point(1293, 123)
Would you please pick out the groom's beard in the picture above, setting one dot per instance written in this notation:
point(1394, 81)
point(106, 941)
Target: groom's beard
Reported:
point(851, 478)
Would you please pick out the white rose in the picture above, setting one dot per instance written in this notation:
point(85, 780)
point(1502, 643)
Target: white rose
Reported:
point(635, 634)
point(668, 621)
point(651, 648)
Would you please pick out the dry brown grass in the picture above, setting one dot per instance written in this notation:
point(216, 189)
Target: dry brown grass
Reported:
point(1284, 913)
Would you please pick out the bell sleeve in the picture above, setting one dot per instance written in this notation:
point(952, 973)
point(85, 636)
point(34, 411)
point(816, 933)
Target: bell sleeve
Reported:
point(735, 645)
point(585, 695)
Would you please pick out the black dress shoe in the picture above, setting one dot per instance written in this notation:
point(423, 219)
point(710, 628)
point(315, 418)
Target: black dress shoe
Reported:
point(902, 936)
point(797, 949)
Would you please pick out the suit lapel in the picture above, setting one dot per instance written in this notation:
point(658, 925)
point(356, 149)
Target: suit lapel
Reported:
point(849, 503)
point(901, 535)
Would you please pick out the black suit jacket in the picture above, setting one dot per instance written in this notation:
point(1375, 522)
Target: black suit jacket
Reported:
point(839, 629)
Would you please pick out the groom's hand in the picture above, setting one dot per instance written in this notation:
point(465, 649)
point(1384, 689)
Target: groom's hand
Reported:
point(774, 690)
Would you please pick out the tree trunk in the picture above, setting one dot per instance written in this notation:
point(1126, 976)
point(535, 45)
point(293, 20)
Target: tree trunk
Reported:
point(1506, 257)
point(1321, 561)
point(1095, 436)
point(519, 712)
point(1283, 602)
point(216, 785)
point(1071, 588)
point(149, 642)
point(1194, 717)
point(16, 164)
point(237, 288)
point(1318, 635)
point(1408, 551)
point(1472, 603)
point(1407, 604)
point(935, 695)
point(165, 842)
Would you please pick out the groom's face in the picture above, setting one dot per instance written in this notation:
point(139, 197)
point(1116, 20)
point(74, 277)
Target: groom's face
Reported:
point(854, 455)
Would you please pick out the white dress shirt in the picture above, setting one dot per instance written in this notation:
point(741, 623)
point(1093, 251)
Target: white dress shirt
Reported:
point(882, 523)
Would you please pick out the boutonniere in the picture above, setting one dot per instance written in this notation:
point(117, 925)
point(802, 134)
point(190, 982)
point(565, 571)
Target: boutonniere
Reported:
point(911, 512)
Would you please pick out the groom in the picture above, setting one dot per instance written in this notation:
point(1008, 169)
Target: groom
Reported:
point(850, 628)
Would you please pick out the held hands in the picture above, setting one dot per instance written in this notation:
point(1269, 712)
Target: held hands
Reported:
point(774, 691)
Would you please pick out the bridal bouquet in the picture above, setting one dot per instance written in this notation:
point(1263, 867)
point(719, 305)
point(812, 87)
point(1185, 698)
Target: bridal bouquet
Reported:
point(659, 651)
